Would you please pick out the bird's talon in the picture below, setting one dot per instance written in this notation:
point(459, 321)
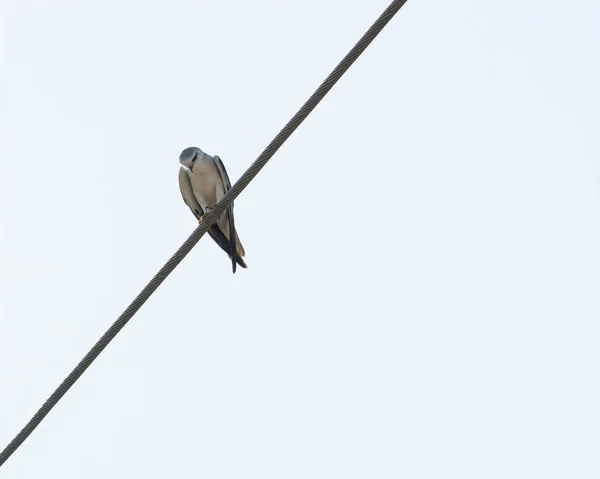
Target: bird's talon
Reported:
point(207, 211)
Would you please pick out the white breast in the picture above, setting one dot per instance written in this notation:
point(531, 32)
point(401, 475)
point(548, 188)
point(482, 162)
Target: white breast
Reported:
point(205, 180)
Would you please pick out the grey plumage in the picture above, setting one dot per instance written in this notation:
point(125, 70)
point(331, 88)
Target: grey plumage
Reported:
point(203, 182)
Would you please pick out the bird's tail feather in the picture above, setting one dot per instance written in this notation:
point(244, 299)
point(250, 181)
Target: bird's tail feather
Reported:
point(219, 237)
point(239, 248)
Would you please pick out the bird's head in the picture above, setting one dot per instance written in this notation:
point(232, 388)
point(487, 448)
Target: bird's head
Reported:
point(189, 156)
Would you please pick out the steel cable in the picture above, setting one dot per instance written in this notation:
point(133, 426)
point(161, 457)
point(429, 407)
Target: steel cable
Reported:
point(231, 195)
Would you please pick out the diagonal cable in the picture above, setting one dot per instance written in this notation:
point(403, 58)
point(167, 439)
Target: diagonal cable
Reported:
point(231, 195)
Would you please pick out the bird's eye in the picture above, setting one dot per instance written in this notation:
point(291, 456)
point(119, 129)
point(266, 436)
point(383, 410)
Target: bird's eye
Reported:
point(195, 156)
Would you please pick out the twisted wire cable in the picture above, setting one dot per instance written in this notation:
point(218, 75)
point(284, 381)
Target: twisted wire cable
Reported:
point(187, 246)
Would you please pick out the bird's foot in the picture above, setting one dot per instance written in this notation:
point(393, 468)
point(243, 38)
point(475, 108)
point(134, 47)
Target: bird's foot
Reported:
point(207, 211)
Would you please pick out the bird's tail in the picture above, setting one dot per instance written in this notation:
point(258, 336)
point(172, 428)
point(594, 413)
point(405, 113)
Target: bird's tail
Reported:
point(217, 235)
point(240, 252)
point(239, 248)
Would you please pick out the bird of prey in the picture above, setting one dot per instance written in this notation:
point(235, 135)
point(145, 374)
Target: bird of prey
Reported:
point(203, 181)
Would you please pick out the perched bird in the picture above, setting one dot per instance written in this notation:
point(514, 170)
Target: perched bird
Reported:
point(203, 181)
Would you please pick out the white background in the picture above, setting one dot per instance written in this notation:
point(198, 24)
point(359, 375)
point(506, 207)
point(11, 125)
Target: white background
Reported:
point(422, 293)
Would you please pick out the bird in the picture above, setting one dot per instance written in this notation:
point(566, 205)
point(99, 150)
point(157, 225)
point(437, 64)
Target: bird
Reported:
point(203, 182)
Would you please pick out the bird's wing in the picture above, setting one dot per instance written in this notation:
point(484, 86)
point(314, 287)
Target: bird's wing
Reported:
point(185, 186)
point(227, 183)
point(223, 172)
point(232, 232)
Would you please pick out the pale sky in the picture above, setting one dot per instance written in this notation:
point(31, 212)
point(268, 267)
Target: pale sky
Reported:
point(422, 298)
